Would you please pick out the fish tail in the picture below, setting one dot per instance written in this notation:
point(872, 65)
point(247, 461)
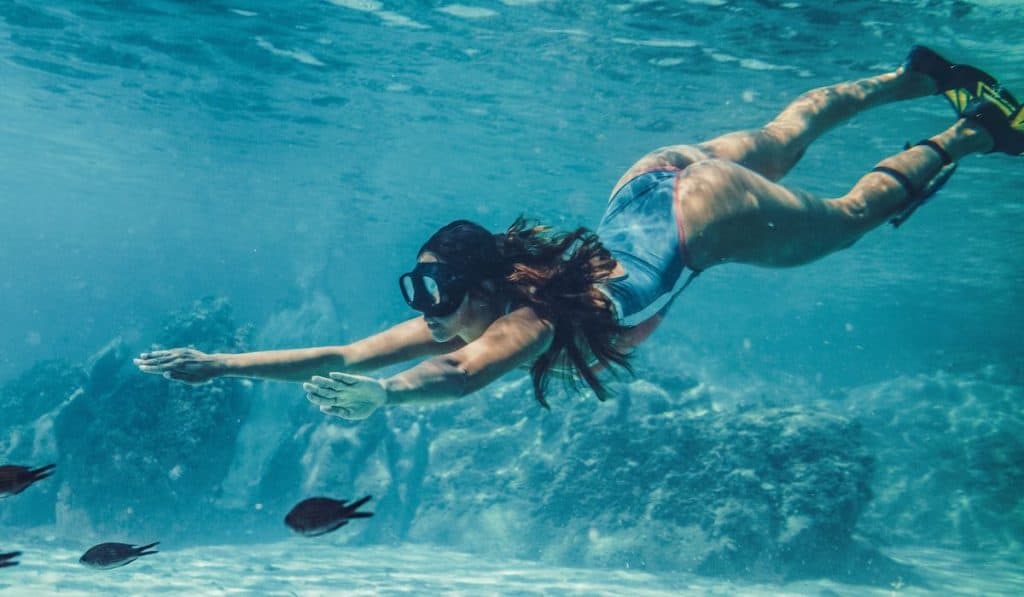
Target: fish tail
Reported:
point(355, 505)
point(142, 550)
point(43, 471)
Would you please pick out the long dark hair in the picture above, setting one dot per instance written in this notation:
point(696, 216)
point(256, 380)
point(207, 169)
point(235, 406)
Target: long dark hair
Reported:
point(555, 273)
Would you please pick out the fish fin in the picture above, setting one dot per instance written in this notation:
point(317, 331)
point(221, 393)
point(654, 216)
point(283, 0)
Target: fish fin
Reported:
point(143, 548)
point(355, 505)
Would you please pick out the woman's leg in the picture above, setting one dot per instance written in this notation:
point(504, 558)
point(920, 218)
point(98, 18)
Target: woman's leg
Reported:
point(774, 149)
point(733, 214)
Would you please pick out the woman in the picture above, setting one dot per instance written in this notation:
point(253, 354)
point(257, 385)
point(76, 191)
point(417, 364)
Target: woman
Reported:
point(567, 303)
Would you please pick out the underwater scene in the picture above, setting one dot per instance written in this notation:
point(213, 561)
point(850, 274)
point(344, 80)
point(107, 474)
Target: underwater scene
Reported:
point(240, 176)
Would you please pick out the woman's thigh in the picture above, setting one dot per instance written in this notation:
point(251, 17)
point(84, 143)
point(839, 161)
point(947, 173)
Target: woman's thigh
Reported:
point(730, 213)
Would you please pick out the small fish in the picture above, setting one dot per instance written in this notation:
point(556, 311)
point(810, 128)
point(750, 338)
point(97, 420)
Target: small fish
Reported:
point(319, 515)
point(14, 479)
point(112, 555)
point(7, 559)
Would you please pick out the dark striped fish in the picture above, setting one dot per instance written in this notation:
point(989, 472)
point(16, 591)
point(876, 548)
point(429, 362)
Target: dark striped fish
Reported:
point(113, 555)
point(319, 515)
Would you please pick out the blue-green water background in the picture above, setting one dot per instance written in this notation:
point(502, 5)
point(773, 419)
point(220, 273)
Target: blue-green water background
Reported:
point(154, 152)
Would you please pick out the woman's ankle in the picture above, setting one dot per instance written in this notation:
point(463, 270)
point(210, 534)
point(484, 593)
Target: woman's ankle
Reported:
point(964, 138)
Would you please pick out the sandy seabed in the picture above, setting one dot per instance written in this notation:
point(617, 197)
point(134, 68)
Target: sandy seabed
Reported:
point(298, 567)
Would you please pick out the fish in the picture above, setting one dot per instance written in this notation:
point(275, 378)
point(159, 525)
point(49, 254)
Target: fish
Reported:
point(320, 515)
point(113, 555)
point(14, 479)
point(7, 559)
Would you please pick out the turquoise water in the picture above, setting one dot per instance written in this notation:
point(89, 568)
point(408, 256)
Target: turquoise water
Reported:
point(292, 157)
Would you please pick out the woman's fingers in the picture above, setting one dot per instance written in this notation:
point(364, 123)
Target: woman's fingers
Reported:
point(157, 362)
point(185, 378)
point(155, 354)
point(329, 384)
point(158, 368)
point(328, 389)
point(159, 357)
point(343, 395)
point(337, 411)
point(348, 379)
point(319, 395)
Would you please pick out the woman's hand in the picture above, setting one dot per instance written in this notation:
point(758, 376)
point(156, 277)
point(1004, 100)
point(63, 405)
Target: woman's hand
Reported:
point(345, 395)
point(186, 365)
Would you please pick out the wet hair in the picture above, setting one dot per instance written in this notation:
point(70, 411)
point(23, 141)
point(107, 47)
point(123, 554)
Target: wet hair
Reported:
point(556, 274)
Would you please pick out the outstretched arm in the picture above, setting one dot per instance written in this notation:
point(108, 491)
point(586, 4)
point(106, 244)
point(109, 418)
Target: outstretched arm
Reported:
point(509, 342)
point(408, 340)
point(512, 340)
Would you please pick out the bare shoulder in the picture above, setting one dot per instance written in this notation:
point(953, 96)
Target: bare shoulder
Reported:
point(524, 326)
point(514, 339)
point(518, 335)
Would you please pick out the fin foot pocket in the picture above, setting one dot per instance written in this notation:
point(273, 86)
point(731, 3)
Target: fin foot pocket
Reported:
point(959, 83)
point(1003, 119)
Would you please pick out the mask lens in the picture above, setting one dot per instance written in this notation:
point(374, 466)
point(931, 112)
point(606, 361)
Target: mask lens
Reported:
point(433, 290)
point(408, 288)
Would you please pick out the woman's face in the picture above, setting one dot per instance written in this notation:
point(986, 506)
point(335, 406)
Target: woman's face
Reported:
point(467, 322)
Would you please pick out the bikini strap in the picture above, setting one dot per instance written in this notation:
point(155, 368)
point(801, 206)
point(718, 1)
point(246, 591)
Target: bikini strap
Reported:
point(693, 275)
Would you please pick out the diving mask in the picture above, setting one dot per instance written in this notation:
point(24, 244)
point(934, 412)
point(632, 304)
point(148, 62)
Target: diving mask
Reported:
point(435, 289)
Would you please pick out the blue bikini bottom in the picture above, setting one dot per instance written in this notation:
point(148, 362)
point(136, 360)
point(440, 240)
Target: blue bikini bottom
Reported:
point(641, 229)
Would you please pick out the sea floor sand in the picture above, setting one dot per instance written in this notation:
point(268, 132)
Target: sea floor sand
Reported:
point(308, 568)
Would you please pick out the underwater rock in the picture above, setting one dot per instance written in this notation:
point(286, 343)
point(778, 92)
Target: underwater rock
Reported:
point(759, 493)
point(207, 325)
point(317, 516)
point(669, 475)
point(950, 451)
point(277, 409)
point(114, 555)
point(104, 365)
point(650, 479)
point(137, 450)
point(30, 435)
point(325, 453)
point(39, 390)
